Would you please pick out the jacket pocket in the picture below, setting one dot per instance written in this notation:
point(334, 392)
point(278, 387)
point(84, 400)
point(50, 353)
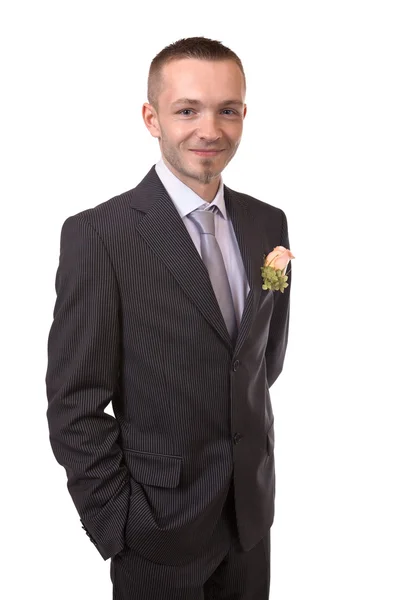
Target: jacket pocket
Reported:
point(153, 469)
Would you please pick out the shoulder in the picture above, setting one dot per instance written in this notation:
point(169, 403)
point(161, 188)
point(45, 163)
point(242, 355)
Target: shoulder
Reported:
point(258, 209)
point(104, 217)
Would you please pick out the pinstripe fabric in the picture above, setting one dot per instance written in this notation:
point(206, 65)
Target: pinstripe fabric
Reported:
point(136, 323)
point(186, 201)
point(221, 572)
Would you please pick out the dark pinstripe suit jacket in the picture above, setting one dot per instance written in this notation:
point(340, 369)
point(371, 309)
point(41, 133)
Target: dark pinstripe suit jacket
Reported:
point(136, 323)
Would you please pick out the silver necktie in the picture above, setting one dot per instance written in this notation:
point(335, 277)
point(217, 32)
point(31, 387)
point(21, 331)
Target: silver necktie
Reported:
point(214, 261)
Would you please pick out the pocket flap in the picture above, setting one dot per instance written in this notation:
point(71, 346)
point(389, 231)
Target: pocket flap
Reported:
point(153, 469)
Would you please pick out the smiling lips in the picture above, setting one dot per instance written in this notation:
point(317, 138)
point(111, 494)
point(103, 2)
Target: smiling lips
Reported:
point(206, 152)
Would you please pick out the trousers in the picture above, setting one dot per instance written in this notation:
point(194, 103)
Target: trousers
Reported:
point(223, 571)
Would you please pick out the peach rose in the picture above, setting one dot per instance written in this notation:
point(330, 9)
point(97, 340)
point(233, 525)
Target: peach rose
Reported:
point(278, 258)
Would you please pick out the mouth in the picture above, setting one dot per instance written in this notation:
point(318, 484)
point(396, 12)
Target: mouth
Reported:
point(206, 152)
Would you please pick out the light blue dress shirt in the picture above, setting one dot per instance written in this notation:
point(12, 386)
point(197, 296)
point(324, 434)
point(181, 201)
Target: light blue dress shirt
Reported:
point(185, 201)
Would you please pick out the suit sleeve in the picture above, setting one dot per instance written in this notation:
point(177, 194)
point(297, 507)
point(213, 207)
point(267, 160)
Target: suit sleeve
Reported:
point(82, 379)
point(279, 326)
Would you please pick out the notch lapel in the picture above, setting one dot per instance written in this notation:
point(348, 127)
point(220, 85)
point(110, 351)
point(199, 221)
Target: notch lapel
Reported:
point(251, 251)
point(164, 231)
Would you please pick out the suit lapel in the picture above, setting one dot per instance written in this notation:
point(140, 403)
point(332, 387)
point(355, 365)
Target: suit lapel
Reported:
point(164, 231)
point(251, 251)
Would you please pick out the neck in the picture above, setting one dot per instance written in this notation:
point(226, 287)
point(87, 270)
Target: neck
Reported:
point(206, 191)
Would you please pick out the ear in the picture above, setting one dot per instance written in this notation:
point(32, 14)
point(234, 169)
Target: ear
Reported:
point(244, 110)
point(150, 119)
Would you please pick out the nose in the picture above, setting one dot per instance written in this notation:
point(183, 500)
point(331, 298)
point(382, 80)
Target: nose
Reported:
point(208, 129)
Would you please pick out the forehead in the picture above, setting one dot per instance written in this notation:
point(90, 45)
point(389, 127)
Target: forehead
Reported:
point(204, 80)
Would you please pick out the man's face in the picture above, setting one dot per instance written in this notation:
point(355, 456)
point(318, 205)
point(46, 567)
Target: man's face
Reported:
point(201, 108)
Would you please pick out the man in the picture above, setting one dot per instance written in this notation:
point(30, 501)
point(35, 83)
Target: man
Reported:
point(160, 310)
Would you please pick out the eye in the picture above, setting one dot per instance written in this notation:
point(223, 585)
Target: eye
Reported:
point(184, 110)
point(230, 110)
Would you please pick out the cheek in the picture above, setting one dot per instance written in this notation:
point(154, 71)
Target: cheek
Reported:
point(180, 132)
point(237, 131)
point(233, 132)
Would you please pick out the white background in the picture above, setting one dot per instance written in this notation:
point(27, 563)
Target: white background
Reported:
point(320, 141)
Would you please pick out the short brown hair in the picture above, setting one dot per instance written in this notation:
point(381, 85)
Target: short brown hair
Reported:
point(193, 47)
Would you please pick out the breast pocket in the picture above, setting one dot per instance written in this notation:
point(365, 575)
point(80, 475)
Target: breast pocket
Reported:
point(161, 470)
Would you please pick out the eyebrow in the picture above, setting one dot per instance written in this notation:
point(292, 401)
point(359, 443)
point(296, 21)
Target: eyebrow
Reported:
point(198, 103)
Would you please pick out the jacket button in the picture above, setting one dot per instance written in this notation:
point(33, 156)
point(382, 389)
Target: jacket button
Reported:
point(237, 437)
point(236, 365)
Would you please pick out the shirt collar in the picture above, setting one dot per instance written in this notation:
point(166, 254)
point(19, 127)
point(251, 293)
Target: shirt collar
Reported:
point(184, 198)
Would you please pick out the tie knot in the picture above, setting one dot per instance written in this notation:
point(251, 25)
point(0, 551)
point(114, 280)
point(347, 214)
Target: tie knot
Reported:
point(204, 219)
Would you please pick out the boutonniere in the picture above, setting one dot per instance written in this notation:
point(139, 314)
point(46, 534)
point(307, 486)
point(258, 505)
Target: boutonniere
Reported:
point(274, 268)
